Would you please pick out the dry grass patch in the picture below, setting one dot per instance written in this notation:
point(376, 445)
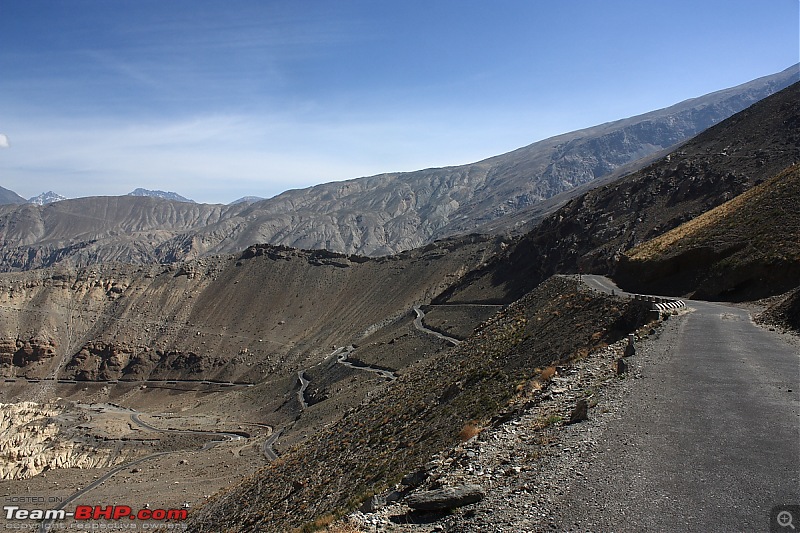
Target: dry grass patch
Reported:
point(546, 420)
point(750, 216)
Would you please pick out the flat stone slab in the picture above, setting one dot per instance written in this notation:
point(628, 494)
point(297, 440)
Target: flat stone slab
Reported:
point(446, 498)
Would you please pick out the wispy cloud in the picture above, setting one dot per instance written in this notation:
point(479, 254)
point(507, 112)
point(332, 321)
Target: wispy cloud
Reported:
point(3, 141)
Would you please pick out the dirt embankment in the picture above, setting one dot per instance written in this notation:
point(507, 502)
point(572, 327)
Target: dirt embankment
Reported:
point(785, 312)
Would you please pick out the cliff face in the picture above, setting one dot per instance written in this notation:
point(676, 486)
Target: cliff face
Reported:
point(21, 353)
point(372, 216)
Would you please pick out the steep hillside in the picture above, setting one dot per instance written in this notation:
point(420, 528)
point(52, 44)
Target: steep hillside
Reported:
point(258, 318)
point(10, 197)
point(592, 231)
point(372, 216)
point(747, 248)
point(396, 429)
point(322, 352)
point(237, 318)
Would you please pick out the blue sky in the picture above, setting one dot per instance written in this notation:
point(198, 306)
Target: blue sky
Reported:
point(217, 100)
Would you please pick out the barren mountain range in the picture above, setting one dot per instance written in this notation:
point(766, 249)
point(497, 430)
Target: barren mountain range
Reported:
point(371, 216)
point(325, 378)
point(593, 231)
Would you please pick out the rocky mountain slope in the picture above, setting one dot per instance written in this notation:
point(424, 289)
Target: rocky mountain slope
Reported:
point(746, 248)
point(431, 406)
point(368, 451)
point(46, 198)
point(232, 318)
point(373, 216)
point(390, 212)
point(591, 232)
point(101, 229)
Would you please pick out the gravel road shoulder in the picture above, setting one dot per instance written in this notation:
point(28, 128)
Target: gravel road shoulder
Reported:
point(536, 470)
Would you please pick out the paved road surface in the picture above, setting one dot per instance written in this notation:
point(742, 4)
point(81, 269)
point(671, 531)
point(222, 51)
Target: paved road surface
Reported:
point(47, 525)
point(301, 393)
point(602, 284)
point(267, 446)
point(342, 359)
point(421, 327)
point(709, 439)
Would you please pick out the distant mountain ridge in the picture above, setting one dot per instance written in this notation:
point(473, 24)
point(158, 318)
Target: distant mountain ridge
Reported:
point(247, 200)
point(164, 195)
point(377, 215)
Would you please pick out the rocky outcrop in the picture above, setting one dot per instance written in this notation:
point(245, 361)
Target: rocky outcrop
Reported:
point(31, 442)
point(100, 361)
point(22, 353)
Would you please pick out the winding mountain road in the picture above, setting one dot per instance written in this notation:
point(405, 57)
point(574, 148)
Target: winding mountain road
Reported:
point(422, 327)
point(343, 359)
point(207, 446)
point(301, 393)
point(269, 452)
point(602, 284)
point(709, 438)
